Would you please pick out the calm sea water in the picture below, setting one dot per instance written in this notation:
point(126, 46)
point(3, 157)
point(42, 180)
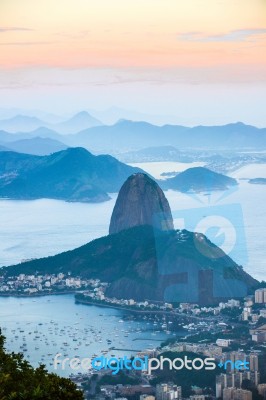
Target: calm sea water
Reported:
point(40, 328)
point(39, 228)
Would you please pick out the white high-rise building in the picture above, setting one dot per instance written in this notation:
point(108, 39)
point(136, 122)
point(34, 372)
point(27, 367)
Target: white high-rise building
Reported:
point(228, 393)
point(231, 393)
point(168, 391)
point(253, 362)
point(260, 295)
point(262, 389)
point(240, 394)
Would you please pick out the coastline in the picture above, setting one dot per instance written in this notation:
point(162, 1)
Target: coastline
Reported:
point(37, 294)
point(94, 303)
point(170, 313)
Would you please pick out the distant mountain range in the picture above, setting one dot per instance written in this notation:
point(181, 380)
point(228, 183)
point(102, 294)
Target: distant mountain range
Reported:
point(73, 175)
point(24, 123)
point(21, 123)
point(127, 136)
point(78, 122)
point(108, 116)
point(198, 179)
point(37, 146)
point(138, 140)
point(41, 141)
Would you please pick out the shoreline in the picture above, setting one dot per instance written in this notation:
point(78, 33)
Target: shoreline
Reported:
point(17, 295)
point(117, 307)
point(92, 303)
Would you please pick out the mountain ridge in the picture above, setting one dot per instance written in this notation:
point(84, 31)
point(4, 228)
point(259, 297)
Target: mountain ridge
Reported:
point(131, 135)
point(36, 146)
point(25, 123)
point(125, 136)
point(73, 174)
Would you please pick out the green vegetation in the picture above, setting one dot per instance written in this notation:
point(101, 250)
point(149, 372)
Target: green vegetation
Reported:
point(19, 380)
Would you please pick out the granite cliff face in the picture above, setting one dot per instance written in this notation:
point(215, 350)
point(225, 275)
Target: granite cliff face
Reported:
point(141, 202)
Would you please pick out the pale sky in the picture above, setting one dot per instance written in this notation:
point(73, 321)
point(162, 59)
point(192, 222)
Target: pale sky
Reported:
point(203, 61)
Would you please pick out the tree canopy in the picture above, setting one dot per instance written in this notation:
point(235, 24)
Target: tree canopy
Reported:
point(19, 380)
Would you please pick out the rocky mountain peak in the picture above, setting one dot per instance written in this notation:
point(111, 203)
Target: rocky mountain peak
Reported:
point(141, 202)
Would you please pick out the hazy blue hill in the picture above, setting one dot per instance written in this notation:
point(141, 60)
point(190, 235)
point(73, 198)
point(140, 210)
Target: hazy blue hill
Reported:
point(7, 113)
point(73, 174)
point(113, 114)
point(125, 135)
point(38, 146)
point(41, 132)
point(4, 148)
point(235, 135)
point(21, 123)
point(78, 122)
point(128, 135)
point(5, 136)
point(25, 123)
point(199, 179)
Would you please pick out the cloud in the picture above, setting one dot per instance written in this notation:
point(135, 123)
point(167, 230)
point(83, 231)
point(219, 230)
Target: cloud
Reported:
point(239, 35)
point(79, 78)
point(14, 29)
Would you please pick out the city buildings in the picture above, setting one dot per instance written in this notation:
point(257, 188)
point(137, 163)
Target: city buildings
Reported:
point(168, 391)
point(260, 295)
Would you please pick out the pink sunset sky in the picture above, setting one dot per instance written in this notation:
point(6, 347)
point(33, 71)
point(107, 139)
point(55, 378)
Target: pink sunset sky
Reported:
point(201, 61)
